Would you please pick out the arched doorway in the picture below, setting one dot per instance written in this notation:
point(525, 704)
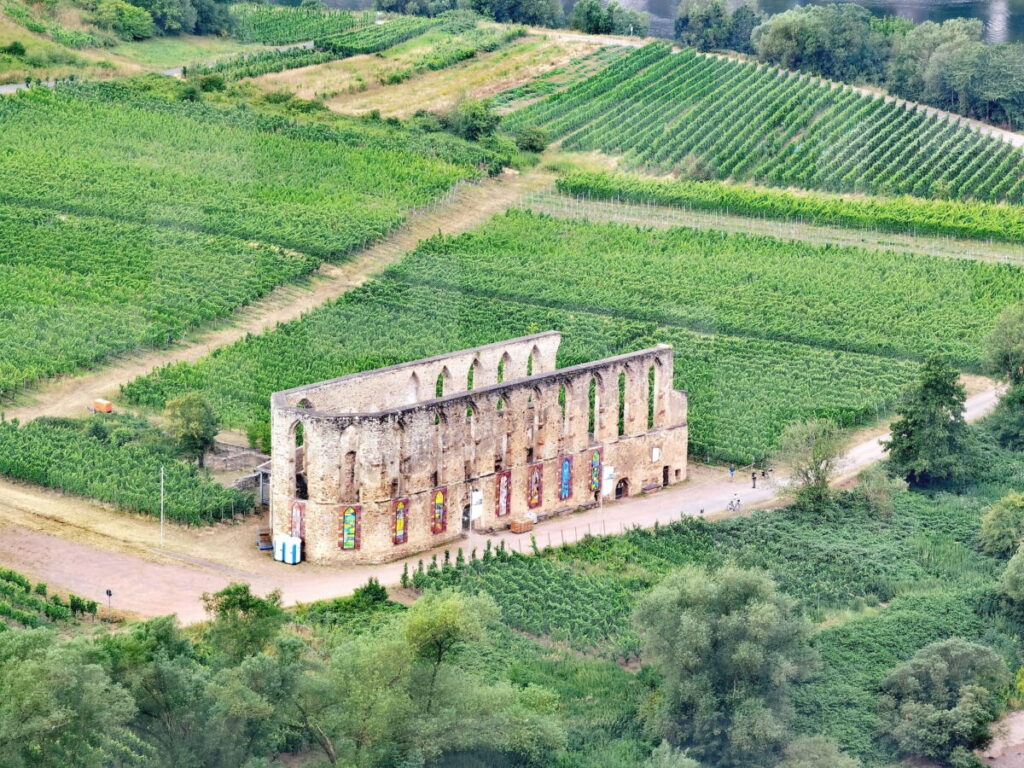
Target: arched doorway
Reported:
point(622, 488)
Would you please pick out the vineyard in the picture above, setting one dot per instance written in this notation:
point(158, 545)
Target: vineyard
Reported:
point(911, 215)
point(745, 121)
point(104, 253)
point(116, 460)
point(282, 24)
point(452, 50)
point(88, 287)
point(741, 285)
point(446, 52)
point(760, 340)
point(375, 37)
point(24, 605)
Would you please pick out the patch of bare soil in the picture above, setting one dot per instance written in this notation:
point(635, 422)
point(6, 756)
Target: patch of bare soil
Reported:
point(1007, 748)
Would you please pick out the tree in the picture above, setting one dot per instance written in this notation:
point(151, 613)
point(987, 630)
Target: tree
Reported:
point(439, 624)
point(729, 646)
point(837, 41)
point(1002, 526)
point(703, 24)
point(1011, 582)
point(193, 424)
point(930, 442)
point(127, 21)
point(58, 706)
point(815, 752)
point(1004, 346)
point(938, 704)
point(912, 52)
point(471, 119)
point(811, 450)
point(243, 623)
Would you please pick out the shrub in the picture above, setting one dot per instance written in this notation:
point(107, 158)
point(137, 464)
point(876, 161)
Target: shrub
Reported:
point(209, 83)
point(938, 704)
point(14, 48)
point(1002, 526)
point(532, 139)
point(471, 119)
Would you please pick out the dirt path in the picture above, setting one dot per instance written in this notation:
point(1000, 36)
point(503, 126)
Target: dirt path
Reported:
point(565, 206)
point(468, 206)
point(1007, 748)
point(81, 546)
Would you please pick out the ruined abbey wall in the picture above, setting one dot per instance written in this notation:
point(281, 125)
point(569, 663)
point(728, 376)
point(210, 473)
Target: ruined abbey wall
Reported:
point(388, 467)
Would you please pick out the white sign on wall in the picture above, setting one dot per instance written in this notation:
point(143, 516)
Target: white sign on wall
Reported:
point(655, 453)
point(476, 505)
point(608, 480)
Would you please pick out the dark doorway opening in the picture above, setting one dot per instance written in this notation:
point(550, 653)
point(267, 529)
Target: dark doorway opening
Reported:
point(664, 475)
point(465, 518)
point(622, 488)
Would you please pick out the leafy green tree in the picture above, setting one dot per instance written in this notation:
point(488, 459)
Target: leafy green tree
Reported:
point(811, 449)
point(837, 41)
point(1002, 526)
point(1004, 346)
point(1007, 420)
point(59, 707)
point(530, 138)
point(938, 704)
point(439, 624)
point(127, 21)
point(1011, 582)
point(729, 646)
point(243, 623)
point(930, 440)
point(193, 424)
point(908, 65)
point(815, 752)
point(703, 24)
point(471, 119)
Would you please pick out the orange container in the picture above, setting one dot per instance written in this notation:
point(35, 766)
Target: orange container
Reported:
point(102, 406)
point(521, 526)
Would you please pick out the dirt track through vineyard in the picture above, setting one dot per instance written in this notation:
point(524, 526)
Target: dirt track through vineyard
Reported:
point(468, 206)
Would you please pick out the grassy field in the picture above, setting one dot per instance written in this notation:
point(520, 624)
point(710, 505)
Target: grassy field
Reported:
point(181, 50)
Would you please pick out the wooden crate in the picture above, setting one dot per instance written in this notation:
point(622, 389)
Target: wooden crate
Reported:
point(521, 526)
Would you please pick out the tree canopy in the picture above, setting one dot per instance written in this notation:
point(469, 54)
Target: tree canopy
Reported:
point(930, 441)
point(730, 646)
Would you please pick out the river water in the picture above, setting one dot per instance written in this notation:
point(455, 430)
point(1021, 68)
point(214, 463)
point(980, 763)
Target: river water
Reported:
point(1004, 19)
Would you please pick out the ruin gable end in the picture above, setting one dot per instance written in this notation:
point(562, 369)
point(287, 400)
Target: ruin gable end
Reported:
point(382, 464)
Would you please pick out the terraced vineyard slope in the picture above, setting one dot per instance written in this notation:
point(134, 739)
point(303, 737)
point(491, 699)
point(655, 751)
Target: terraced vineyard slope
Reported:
point(128, 220)
point(282, 24)
point(742, 120)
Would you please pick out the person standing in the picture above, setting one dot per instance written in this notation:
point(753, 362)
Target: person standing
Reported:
point(753, 479)
point(732, 471)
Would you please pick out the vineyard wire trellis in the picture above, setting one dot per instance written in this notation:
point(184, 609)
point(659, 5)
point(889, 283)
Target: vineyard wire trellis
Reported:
point(652, 214)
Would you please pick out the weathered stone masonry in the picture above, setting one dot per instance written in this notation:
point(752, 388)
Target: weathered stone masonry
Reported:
point(405, 458)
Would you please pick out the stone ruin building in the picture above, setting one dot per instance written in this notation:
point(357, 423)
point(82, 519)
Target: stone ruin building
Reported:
point(379, 465)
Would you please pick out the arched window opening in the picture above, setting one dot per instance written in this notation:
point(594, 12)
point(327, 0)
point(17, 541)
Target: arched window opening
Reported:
point(348, 477)
point(301, 487)
point(561, 403)
point(529, 365)
point(412, 389)
point(504, 365)
point(592, 409)
point(651, 384)
point(622, 404)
